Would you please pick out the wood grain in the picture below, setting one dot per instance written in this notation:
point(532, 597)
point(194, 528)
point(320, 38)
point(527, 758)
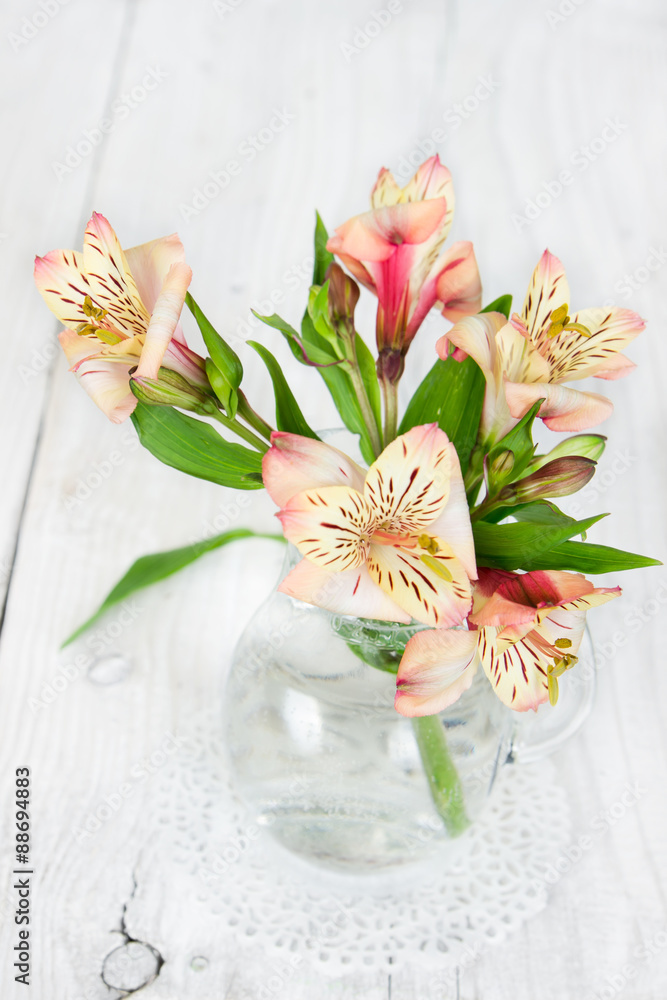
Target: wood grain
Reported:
point(69, 528)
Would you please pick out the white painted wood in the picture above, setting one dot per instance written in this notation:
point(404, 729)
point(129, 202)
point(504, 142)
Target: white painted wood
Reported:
point(550, 90)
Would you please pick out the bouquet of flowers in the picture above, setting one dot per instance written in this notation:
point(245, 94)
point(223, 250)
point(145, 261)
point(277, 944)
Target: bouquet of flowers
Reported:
point(451, 523)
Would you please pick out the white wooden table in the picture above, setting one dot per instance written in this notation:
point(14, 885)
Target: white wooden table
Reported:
point(510, 96)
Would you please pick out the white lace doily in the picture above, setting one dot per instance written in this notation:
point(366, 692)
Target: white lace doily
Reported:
point(437, 916)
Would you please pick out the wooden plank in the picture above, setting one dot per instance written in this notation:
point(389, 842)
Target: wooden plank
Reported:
point(96, 501)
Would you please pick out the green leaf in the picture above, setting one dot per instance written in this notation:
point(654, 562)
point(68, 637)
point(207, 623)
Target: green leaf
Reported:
point(288, 413)
point(369, 377)
point(511, 546)
point(537, 512)
point(194, 447)
point(451, 395)
point(322, 256)
point(582, 557)
point(224, 358)
point(223, 388)
point(503, 305)
point(293, 339)
point(318, 310)
point(518, 441)
point(319, 349)
point(152, 568)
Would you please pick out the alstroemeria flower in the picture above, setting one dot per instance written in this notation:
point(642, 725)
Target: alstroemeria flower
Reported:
point(121, 310)
point(394, 250)
point(526, 629)
point(393, 542)
point(531, 356)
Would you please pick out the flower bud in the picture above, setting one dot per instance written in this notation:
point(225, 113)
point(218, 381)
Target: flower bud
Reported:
point(343, 295)
point(559, 478)
point(581, 445)
point(171, 389)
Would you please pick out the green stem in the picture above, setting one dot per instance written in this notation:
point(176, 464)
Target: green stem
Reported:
point(442, 776)
point(474, 476)
point(236, 428)
point(365, 406)
point(390, 397)
point(253, 418)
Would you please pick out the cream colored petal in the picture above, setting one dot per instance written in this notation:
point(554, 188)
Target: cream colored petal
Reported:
point(294, 463)
point(519, 360)
point(432, 588)
point(437, 667)
point(453, 524)
point(150, 264)
point(108, 385)
point(331, 526)
point(458, 285)
point(351, 592)
point(386, 191)
point(572, 355)
point(618, 366)
point(517, 673)
point(548, 290)
point(568, 620)
point(164, 320)
point(112, 286)
point(564, 409)
point(62, 282)
point(77, 348)
point(475, 336)
point(408, 485)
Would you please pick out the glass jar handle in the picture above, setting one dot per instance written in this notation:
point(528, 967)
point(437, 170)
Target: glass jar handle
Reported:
point(538, 734)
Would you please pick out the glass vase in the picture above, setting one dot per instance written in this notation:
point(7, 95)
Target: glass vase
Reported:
point(327, 765)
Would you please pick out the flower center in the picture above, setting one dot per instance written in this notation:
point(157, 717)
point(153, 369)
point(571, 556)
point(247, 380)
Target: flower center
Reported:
point(560, 321)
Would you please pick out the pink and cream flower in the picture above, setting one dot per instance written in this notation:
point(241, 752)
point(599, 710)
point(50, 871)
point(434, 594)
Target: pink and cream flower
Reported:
point(525, 630)
point(121, 310)
point(394, 250)
point(539, 349)
point(391, 543)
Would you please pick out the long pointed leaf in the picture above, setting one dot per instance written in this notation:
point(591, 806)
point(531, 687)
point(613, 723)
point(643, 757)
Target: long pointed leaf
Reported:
point(194, 447)
point(582, 557)
point(153, 568)
point(451, 395)
point(288, 413)
point(512, 546)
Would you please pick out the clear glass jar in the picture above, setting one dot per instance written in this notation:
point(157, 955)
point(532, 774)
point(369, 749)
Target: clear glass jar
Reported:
point(325, 762)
